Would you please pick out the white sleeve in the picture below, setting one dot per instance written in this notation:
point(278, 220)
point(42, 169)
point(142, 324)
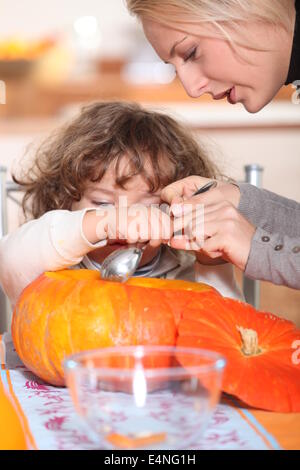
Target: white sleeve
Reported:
point(54, 241)
point(221, 277)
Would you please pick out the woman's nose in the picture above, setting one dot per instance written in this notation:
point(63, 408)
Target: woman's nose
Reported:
point(194, 85)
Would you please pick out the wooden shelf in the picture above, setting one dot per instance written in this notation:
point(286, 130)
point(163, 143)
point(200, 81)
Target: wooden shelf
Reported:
point(28, 99)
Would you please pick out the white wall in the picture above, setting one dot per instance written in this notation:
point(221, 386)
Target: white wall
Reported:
point(277, 151)
point(35, 18)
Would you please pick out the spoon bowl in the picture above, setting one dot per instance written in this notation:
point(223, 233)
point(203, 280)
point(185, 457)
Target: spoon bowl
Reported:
point(120, 265)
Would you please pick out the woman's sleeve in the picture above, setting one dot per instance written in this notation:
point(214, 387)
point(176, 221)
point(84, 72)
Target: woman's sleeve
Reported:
point(275, 248)
point(53, 242)
point(270, 212)
point(274, 258)
point(221, 277)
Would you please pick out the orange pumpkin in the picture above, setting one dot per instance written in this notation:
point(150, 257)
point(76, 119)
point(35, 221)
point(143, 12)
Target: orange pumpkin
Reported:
point(69, 311)
point(263, 368)
point(12, 436)
point(65, 312)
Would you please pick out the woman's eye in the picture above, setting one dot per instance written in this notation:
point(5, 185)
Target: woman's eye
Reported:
point(191, 55)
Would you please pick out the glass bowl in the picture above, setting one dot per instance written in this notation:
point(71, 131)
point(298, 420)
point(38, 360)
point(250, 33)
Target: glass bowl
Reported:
point(145, 397)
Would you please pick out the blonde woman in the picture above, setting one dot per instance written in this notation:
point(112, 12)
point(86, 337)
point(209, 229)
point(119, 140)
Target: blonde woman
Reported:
point(244, 51)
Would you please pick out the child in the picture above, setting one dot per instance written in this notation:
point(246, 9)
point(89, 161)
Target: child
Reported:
point(112, 152)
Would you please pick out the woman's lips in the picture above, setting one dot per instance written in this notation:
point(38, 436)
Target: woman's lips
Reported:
point(231, 97)
point(221, 95)
point(230, 94)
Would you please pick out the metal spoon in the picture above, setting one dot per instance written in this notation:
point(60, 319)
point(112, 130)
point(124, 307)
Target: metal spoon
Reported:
point(121, 264)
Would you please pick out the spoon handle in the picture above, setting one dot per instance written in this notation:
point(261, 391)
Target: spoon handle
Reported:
point(206, 187)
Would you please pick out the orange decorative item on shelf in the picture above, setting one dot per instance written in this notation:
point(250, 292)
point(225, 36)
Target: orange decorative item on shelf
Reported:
point(262, 351)
point(22, 49)
point(70, 311)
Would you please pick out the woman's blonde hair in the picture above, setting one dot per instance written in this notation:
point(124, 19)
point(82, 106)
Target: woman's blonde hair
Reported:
point(82, 151)
point(222, 14)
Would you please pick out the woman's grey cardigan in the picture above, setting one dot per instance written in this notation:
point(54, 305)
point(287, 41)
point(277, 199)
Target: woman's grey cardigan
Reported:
point(275, 248)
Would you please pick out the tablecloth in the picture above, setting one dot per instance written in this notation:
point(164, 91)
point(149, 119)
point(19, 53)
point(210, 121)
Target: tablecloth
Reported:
point(50, 422)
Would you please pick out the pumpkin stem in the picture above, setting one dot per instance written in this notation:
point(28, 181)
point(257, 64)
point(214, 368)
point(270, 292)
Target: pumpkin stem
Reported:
point(250, 341)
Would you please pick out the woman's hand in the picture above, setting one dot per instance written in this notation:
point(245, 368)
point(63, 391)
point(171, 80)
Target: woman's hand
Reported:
point(182, 191)
point(218, 230)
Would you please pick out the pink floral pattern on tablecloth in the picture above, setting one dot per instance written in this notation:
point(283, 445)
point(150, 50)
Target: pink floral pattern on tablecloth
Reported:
point(55, 425)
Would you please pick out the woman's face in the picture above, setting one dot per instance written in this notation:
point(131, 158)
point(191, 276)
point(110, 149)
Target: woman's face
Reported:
point(210, 65)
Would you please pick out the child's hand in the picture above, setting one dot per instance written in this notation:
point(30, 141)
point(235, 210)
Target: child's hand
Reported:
point(137, 223)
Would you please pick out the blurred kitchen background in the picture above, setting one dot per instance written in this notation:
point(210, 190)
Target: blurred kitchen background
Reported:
point(55, 56)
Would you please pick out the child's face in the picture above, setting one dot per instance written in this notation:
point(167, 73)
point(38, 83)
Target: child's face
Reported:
point(107, 192)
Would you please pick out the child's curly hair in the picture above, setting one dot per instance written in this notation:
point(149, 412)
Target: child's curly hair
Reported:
point(102, 134)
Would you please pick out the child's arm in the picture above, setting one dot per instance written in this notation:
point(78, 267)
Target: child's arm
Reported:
point(54, 241)
point(60, 239)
